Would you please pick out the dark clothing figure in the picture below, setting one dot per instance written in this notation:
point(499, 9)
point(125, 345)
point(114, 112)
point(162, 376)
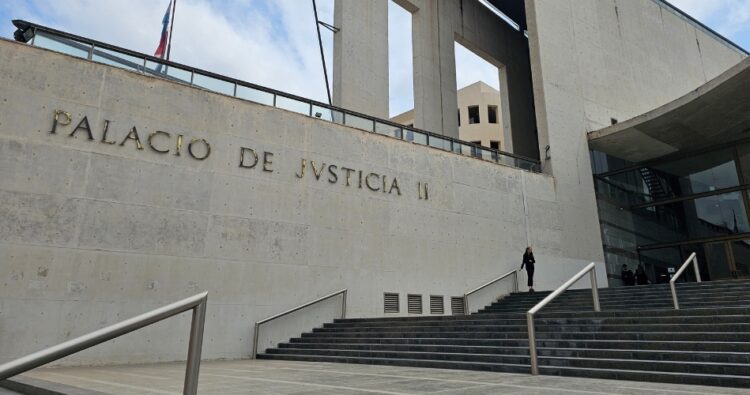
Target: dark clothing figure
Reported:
point(640, 276)
point(627, 277)
point(528, 261)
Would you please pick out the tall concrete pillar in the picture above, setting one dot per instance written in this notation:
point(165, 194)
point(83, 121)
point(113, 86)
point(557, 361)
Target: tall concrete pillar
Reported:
point(360, 56)
point(435, 99)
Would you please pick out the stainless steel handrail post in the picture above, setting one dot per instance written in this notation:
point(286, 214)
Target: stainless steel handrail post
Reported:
point(343, 305)
point(595, 290)
point(514, 272)
point(590, 268)
point(342, 292)
point(195, 345)
point(197, 303)
point(692, 258)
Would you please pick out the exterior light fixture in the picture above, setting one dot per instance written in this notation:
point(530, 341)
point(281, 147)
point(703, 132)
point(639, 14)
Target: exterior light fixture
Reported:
point(24, 33)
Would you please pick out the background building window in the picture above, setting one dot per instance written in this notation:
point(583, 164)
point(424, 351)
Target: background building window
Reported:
point(473, 114)
point(495, 144)
point(459, 116)
point(492, 114)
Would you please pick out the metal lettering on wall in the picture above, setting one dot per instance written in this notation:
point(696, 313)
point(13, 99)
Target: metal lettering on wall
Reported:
point(163, 142)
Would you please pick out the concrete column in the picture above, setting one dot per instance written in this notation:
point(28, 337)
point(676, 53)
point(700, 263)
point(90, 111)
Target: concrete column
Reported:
point(360, 56)
point(433, 40)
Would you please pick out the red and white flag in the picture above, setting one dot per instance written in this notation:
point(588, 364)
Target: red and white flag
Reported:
point(161, 50)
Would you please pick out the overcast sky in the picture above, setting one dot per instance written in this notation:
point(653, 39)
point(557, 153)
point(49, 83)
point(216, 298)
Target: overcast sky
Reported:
point(273, 42)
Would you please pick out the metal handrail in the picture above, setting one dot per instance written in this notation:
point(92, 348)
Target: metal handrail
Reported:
point(591, 269)
point(481, 287)
point(292, 310)
point(197, 303)
point(454, 142)
point(691, 258)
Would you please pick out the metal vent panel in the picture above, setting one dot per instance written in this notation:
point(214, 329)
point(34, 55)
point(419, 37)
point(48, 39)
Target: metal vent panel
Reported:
point(457, 305)
point(436, 305)
point(390, 302)
point(414, 303)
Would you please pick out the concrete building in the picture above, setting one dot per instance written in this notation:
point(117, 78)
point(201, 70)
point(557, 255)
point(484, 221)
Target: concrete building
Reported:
point(126, 186)
point(479, 119)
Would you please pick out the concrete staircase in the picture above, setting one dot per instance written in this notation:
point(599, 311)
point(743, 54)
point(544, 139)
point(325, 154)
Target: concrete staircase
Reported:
point(637, 336)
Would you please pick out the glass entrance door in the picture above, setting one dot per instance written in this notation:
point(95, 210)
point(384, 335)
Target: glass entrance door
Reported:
point(713, 259)
point(740, 265)
point(723, 260)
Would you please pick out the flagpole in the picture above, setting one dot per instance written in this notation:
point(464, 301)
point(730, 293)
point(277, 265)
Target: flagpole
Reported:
point(171, 26)
point(322, 54)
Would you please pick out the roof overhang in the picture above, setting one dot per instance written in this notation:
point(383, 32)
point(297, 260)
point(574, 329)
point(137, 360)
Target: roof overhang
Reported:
point(717, 112)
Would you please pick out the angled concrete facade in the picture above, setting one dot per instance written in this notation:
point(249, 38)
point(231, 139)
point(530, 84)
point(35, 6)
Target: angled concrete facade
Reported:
point(596, 60)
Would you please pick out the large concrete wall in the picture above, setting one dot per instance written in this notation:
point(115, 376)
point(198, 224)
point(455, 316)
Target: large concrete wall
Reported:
point(593, 60)
point(92, 233)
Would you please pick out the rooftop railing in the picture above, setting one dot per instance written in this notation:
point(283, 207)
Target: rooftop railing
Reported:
point(85, 48)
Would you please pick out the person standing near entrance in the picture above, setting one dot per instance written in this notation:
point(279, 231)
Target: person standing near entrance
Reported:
point(640, 275)
point(528, 261)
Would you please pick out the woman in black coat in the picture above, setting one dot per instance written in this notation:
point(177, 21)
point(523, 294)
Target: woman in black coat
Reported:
point(528, 261)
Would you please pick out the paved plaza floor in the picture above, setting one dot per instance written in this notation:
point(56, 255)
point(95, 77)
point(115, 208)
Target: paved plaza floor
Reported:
point(278, 377)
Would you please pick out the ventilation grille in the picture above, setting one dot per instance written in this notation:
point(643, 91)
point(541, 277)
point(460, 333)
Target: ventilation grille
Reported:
point(415, 304)
point(457, 305)
point(436, 305)
point(390, 302)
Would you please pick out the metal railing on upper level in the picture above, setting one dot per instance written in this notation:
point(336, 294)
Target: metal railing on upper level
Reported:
point(692, 258)
point(591, 269)
point(196, 303)
point(45, 37)
point(513, 273)
point(292, 310)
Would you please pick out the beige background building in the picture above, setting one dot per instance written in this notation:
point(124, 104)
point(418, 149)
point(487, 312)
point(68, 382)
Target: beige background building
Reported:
point(479, 115)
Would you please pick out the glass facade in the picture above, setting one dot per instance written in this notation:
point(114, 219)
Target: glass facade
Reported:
point(659, 212)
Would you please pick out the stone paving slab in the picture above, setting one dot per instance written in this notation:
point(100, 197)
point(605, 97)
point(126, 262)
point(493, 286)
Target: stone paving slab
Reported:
point(302, 378)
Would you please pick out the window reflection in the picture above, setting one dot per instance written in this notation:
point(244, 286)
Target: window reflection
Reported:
point(711, 216)
point(684, 177)
point(696, 174)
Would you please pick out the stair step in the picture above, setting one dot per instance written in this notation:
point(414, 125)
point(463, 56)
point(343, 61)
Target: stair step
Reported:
point(638, 335)
point(494, 367)
point(471, 320)
point(556, 335)
point(614, 374)
point(720, 346)
point(542, 326)
point(642, 375)
point(572, 352)
point(712, 311)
